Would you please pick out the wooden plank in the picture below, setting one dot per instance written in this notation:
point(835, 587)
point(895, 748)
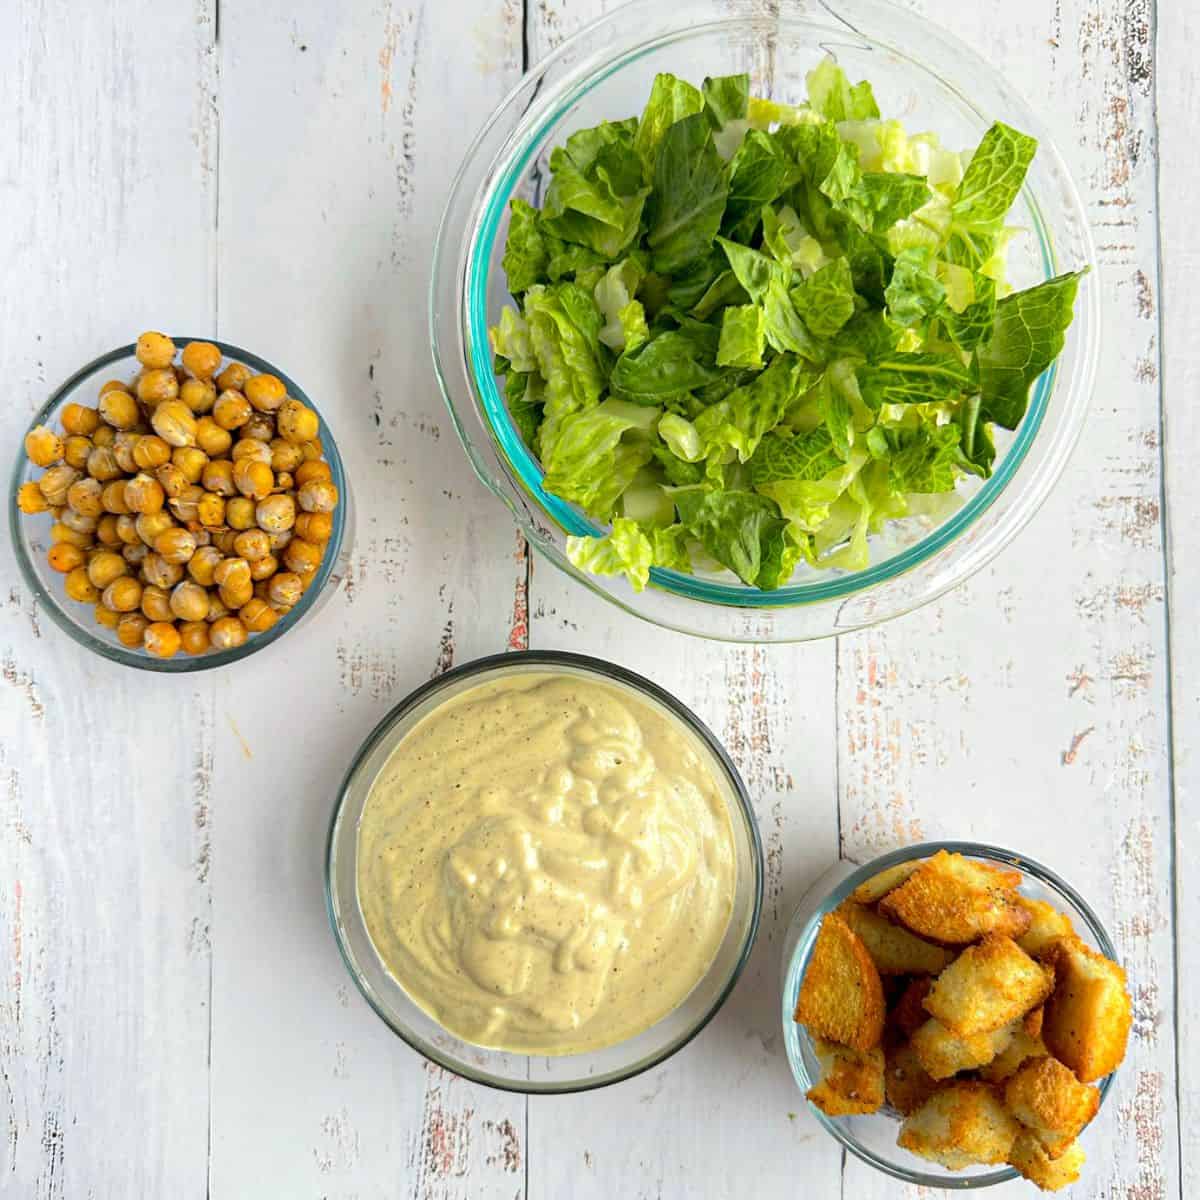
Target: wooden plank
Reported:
point(105, 228)
point(1028, 708)
point(341, 128)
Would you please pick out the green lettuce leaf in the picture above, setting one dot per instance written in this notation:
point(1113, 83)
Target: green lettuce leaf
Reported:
point(924, 459)
point(737, 423)
point(671, 99)
point(825, 300)
point(913, 378)
point(670, 362)
point(972, 326)
point(880, 199)
point(525, 254)
point(760, 172)
point(743, 531)
point(613, 294)
point(565, 337)
point(994, 176)
point(806, 457)
point(691, 185)
point(511, 339)
point(831, 94)
point(743, 337)
point(726, 98)
point(914, 294)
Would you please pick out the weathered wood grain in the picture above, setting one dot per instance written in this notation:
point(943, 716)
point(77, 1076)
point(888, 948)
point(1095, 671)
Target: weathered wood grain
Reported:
point(105, 227)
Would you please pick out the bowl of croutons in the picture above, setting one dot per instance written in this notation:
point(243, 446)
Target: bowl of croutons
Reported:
point(954, 1014)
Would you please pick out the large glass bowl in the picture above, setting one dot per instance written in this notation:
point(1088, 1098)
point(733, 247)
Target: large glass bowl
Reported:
point(31, 534)
point(519, 1072)
point(873, 1138)
point(921, 75)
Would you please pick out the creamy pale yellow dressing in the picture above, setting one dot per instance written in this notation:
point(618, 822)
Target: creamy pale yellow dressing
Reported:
point(546, 864)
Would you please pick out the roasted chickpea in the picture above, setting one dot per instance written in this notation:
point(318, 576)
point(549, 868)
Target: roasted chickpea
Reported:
point(127, 529)
point(232, 410)
point(257, 616)
point(119, 409)
point(191, 460)
point(203, 563)
point(104, 567)
point(79, 419)
point(265, 392)
point(144, 494)
point(106, 617)
point(301, 556)
point(263, 568)
point(252, 478)
point(102, 464)
point(104, 436)
point(251, 448)
point(113, 497)
point(30, 499)
point(217, 477)
point(174, 481)
point(251, 544)
point(43, 446)
point(211, 438)
point(114, 385)
point(210, 509)
point(279, 540)
point(240, 513)
point(76, 449)
point(201, 358)
point(175, 545)
point(85, 496)
point(79, 587)
point(275, 513)
point(285, 456)
point(122, 449)
point(79, 522)
point(123, 595)
point(216, 608)
point(150, 525)
point(106, 531)
point(56, 482)
point(234, 376)
point(193, 635)
point(135, 555)
point(232, 572)
point(174, 423)
point(297, 422)
point(186, 506)
point(151, 452)
point(64, 557)
point(158, 387)
point(284, 589)
point(130, 629)
point(159, 572)
point(223, 538)
point(189, 601)
point(156, 603)
point(155, 350)
point(64, 533)
point(261, 427)
point(226, 633)
point(161, 639)
point(317, 495)
point(199, 395)
point(234, 597)
point(309, 470)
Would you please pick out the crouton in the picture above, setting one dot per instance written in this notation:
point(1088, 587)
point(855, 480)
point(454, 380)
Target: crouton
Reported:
point(894, 950)
point(879, 885)
point(841, 997)
point(942, 1053)
point(851, 1080)
point(1030, 1159)
point(1089, 1011)
point(960, 1125)
point(906, 1084)
point(1046, 924)
point(987, 986)
point(1023, 1047)
point(956, 900)
point(1046, 1097)
point(908, 1014)
point(1034, 1019)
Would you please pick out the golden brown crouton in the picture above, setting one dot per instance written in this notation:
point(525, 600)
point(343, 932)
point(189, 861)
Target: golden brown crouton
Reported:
point(1046, 924)
point(908, 1014)
point(894, 950)
point(955, 900)
point(879, 885)
point(1089, 1012)
point(943, 1053)
point(1034, 1018)
point(906, 1083)
point(1022, 1048)
point(851, 1080)
point(1046, 1097)
point(841, 997)
point(987, 986)
point(1029, 1157)
point(960, 1125)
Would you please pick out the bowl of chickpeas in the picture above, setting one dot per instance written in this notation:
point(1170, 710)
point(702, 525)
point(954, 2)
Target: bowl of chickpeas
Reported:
point(178, 504)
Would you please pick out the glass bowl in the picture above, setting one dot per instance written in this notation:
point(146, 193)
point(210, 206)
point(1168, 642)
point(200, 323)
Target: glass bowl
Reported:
point(497, 1068)
point(873, 1138)
point(31, 534)
point(920, 74)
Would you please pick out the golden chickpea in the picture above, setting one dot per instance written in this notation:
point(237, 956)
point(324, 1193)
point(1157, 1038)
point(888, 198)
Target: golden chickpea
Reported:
point(162, 574)
point(311, 470)
point(151, 452)
point(275, 513)
point(79, 522)
point(284, 482)
point(317, 495)
point(257, 616)
point(223, 538)
point(161, 639)
point(76, 449)
point(174, 423)
point(193, 636)
point(232, 410)
point(226, 633)
point(264, 568)
point(43, 446)
point(113, 497)
point(201, 358)
point(217, 477)
point(155, 349)
point(199, 395)
point(252, 478)
point(85, 496)
point(284, 589)
point(234, 376)
point(232, 572)
point(312, 451)
point(265, 392)
point(30, 499)
point(56, 482)
point(279, 540)
point(104, 436)
point(135, 555)
point(106, 617)
point(122, 449)
point(79, 587)
point(297, 422)
point(251, 544)
point(189, 601)
point(174, 481)
point(130, 629)
point(127, 529)
point(119, 409)
point(261, 427)
point(202, 565)
point(235, 596)
point(102, 464)
point(144, 494)
point(191, 460)
point(106, 566)
point(64, 557)
point(123, 595)
point(114, 385)
point(211, 438)
point(210, 509)
point(150, 525)
point(175, 545)
point(156, 603)
point(252, 448)
point(185, 508)
point(64, 533)
point(79, 419)
point(158, 387)
point(239, 513)
point(106, 531)
point(216, 608)
point(285, 456)
point(301, 556)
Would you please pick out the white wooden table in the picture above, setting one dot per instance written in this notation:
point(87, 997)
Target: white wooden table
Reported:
point(174, 1018)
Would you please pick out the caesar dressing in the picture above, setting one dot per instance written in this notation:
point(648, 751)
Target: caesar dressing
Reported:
point(546, 863)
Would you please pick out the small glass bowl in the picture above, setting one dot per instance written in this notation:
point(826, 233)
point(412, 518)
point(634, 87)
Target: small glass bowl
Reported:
point(499, 1069)
point(31, 534)
point(873, 1138)
point(921, 75)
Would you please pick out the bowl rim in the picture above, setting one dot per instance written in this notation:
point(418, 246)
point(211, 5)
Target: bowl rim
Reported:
point(524, 473)
point(805, 939)
point(606, 670)
point(179, 663)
